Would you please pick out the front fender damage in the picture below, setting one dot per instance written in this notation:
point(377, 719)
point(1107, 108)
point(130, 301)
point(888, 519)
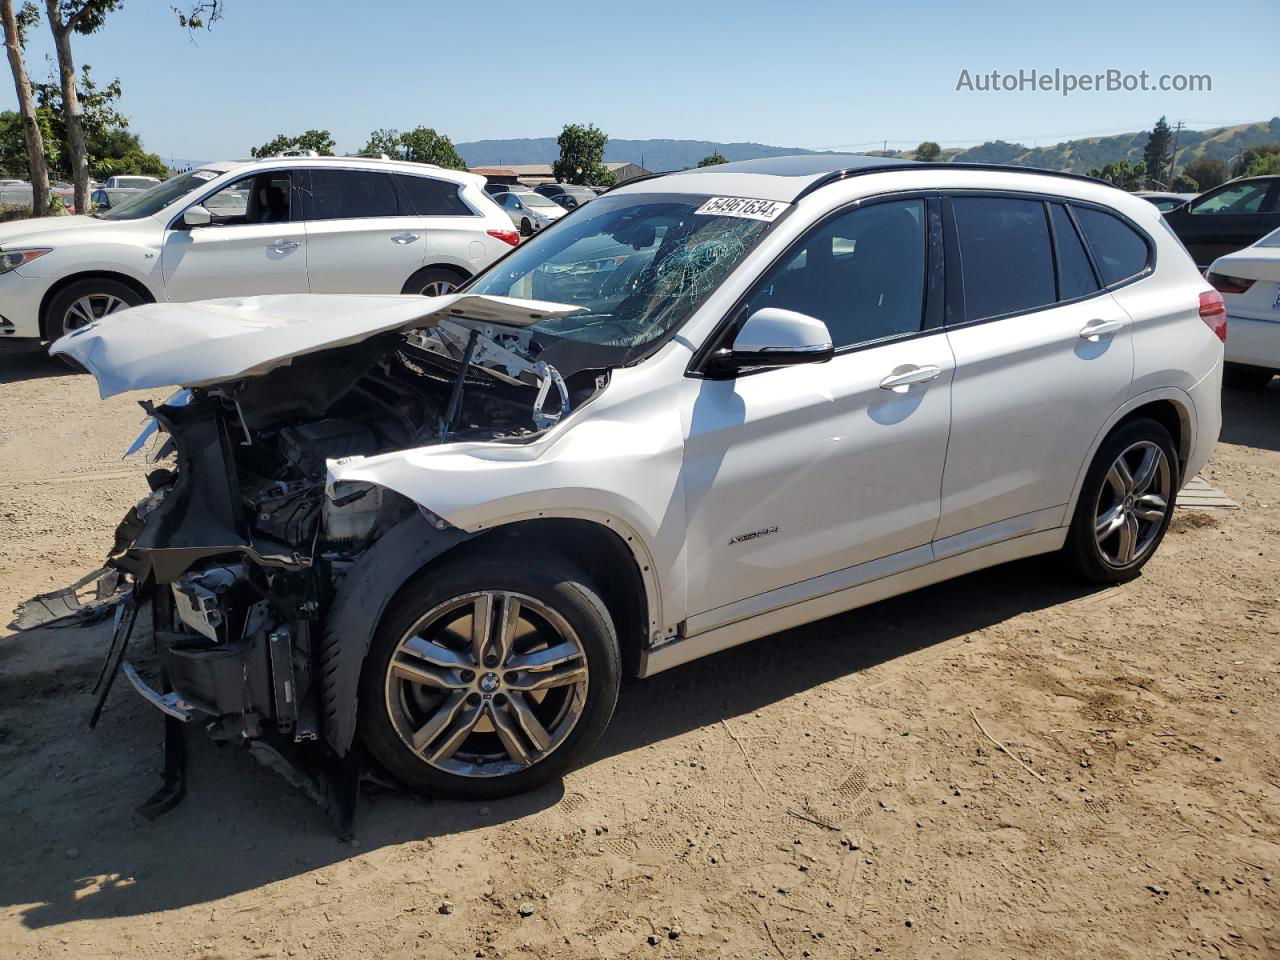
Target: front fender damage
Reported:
point(247, 591)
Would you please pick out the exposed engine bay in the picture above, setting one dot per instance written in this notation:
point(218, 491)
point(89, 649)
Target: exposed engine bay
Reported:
point(233, 565)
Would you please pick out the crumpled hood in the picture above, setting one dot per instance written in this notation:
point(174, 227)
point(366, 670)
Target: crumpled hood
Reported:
point(211, 341)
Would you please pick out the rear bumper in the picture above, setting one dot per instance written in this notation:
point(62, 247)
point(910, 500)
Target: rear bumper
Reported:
point(1206, 397)
point(1253, 341)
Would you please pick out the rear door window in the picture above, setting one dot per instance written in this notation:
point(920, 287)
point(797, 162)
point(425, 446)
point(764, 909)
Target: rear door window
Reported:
point(434, 198)
point(351, 194)
point(1119, 251)
point(1075, 274)
point(1006, 257)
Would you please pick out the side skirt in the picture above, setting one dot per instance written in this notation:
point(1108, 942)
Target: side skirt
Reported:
point(685, 649)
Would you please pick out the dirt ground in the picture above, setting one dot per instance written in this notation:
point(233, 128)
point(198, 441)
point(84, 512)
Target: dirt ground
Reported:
point(822, 793)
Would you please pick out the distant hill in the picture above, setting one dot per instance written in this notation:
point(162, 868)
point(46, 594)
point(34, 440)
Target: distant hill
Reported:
point(1073, 156)
point(1081, 156)
point(656, 155)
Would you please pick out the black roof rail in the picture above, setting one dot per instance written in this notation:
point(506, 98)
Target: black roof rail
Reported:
point(640, 179)
point(836, 176)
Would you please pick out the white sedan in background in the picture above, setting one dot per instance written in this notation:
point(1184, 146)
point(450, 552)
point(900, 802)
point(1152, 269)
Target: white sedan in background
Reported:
point(529, 211)
point(1249, 281)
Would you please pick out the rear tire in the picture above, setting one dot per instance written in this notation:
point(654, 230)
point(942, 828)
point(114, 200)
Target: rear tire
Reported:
point(1238, 376)
point(450, 722)
point(434, 282)
point(1125, 505)
point(526, 228)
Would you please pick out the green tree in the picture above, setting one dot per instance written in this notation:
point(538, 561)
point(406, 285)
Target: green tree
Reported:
point(1123, 174)
point(67, 17)
point(384, 141)
point(1184, 184)
point(582, 156)
point(1267, 164)
point(1206, 171)
point(35, 159)
point(1155, 155)
point(424, 145)
point(1248, 158)
point(928, 152)
point(712, 159)
point(321, 141)
point(199, 14)
point(109, 143)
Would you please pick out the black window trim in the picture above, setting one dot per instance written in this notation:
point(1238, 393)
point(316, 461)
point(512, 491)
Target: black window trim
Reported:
point(956, 288)
point(1057, 256)
point(933, 294)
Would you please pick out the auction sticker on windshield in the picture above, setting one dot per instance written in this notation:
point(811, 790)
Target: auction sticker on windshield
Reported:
point(767, 210)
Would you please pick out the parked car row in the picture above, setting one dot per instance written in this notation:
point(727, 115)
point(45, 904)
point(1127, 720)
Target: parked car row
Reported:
point(1232, 231)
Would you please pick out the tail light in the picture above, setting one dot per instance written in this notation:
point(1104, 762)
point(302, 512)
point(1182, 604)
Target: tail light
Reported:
point(506, 236)
point(1225, 284)
point(1213, 311)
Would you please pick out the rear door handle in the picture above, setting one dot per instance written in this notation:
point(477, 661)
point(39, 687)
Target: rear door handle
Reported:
point(403, 238)
point(283, 246)
point(900, 382)
point(1095, 330)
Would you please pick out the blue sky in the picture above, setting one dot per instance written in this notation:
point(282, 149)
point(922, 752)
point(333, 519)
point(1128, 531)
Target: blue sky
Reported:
point(817, 74)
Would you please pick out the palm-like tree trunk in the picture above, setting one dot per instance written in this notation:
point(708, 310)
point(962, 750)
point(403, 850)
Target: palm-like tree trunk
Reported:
point(79, 155)
point(36, 165)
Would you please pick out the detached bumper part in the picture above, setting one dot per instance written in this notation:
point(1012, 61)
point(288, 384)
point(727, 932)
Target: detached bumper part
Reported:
point(170, 704)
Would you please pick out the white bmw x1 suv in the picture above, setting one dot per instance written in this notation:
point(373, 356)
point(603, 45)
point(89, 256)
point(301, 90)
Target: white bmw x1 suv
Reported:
point(703, 408)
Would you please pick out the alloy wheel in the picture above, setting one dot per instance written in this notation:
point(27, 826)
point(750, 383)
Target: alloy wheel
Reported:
point(1133, 504)
point(87, 309)
point(486, 684)
point(438, 288)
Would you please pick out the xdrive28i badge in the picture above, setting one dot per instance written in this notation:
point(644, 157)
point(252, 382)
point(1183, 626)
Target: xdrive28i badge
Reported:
point(753, 535)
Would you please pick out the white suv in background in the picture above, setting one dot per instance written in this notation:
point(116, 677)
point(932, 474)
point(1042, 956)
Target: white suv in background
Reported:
point(277, 225)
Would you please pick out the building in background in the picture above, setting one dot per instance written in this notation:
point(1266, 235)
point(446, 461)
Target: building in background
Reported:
point(532, 174)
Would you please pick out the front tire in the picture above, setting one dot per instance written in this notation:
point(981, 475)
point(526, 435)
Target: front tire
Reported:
point(526, 228)
point(1125, 505)
point(80, 303)
point(489, 677)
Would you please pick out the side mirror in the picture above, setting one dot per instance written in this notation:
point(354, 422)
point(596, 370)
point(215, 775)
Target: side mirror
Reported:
point(197, 216)
point(773, 337)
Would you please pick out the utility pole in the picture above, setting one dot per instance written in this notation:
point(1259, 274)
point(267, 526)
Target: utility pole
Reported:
point(1173, 157)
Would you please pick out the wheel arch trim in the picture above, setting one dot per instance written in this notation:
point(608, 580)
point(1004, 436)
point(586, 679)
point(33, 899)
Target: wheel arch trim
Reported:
point(1186, 441)
point(62, 283)
point(374, 580)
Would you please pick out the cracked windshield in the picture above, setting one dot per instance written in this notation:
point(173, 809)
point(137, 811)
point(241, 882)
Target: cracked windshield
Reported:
point(638, 265)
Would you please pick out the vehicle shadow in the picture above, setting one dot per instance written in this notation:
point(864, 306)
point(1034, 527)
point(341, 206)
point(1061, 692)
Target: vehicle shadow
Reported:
point(746, 678)
point(241, 827)
point(1252, 417)
point(18, 366)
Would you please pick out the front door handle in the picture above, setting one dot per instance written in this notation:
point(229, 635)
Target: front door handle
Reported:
point(1095, 330)
point(403, 238)
point(901, 382)
point(282, 245)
